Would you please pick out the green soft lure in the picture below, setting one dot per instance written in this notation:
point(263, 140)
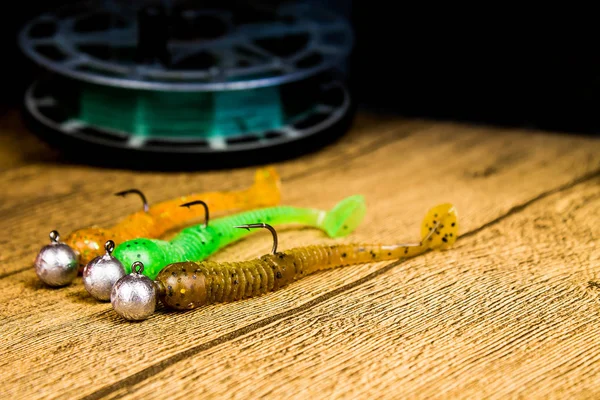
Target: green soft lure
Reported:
point(198, 242)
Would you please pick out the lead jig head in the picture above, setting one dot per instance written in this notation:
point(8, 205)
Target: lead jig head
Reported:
point(134, 296)
point(101, 274)
point(56, 263)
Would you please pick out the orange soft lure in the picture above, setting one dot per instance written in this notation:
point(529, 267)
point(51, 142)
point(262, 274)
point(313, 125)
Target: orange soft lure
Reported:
point(155, 221)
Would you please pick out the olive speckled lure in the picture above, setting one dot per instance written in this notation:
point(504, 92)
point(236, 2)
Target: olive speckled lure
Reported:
point(155, 221)
point(189, 285)
point(198, 242)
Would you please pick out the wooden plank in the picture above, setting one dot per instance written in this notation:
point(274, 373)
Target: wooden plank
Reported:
point(48, 176)
point(19, 147)
point(85, 347)
point(41, 182)
point(509, 312)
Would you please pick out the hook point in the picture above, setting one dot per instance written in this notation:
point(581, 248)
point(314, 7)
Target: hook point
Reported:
point(266, 226)
point(139, 193)
point(193, 203)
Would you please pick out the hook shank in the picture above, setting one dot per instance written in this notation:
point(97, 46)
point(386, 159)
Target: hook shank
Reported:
point(139, 193)
point(193, 203)
point(266, 226)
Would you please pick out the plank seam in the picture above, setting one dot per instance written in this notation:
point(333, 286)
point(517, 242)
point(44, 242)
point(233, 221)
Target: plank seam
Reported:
point(154, 369)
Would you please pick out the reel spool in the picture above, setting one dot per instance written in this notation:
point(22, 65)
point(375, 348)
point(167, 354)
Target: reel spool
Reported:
point(178, 82)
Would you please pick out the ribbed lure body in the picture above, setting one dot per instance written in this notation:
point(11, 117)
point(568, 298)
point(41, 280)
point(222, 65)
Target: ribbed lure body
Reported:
point(89, 243)
point(188, 285)
point(198, 242)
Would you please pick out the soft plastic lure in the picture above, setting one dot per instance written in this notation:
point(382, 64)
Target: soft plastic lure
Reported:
point(189, 285)
point(198, 242)
point(155, 221)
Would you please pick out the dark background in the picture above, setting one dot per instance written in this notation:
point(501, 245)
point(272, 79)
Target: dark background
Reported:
point(491, 67)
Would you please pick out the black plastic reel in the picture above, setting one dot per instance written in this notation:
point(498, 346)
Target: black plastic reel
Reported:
point(192, 47)
point(332, 116)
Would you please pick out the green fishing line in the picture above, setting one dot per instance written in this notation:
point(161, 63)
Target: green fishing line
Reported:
point(181, 114)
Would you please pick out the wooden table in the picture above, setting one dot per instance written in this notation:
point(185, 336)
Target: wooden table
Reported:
point(512, 310)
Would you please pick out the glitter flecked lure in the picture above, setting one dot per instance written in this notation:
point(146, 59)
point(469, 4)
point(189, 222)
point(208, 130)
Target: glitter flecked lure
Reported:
point(189, 285)
point(55, 264)
point(196, 243)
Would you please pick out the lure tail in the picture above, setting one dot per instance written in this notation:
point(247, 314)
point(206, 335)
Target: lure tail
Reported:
point(264, 192)
point(345, 217)
point(267, 187)
point(340, 221)
point(439, 231)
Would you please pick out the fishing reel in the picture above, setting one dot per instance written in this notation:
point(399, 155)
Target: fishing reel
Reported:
point(176, 83)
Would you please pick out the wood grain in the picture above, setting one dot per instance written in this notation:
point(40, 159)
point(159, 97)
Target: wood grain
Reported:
point(520, 321)
point(61, 344)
